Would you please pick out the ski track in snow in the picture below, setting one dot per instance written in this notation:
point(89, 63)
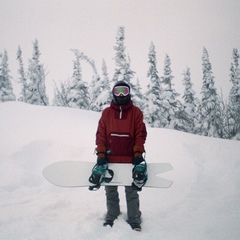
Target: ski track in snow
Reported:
point(202, 203)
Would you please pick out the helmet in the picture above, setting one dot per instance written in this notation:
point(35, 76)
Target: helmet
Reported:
point(121, 100)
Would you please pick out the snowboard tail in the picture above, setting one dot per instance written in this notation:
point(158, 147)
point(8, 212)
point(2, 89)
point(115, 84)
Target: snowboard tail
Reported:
point(76, 174)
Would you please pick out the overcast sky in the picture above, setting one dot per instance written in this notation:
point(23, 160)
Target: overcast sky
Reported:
point(179, 28)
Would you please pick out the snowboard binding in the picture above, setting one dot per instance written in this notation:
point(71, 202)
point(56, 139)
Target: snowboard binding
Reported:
point(139, 175)
point(99, 175)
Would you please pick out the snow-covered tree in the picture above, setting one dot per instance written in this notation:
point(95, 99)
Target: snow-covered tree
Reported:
point(6, 90)
point(78, 95)
point(167, 77)
point(36, 91)
point(227, 118)
point(98, 90)
point(60, 97)
point(22, 77)
point(123, 70)
point(173, 109)
point(95, 78)
point(153, 101)
point(234, 96)
point(210, 109)
point(190, 100)
point(94, 89)
point(103, 91)
point(138, 97)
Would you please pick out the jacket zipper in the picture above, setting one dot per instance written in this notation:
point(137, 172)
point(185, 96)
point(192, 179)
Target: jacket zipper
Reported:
point(120, 114)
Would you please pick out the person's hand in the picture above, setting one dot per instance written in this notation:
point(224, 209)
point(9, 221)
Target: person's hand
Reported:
point(138, 160)
point(102, 161)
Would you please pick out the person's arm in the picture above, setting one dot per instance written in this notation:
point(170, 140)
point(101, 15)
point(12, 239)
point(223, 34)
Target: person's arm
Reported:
point(101, 141)
point(140, 136)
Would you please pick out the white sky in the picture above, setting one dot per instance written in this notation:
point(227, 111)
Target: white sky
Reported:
point(179, 28)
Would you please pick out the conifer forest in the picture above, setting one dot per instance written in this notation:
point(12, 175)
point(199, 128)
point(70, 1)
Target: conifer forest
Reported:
point(211, 114)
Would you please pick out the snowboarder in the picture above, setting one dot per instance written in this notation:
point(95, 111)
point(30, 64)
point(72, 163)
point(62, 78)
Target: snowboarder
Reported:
point(120, 138)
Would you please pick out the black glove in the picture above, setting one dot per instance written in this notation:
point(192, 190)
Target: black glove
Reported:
point(138, 160)
point(102, 161)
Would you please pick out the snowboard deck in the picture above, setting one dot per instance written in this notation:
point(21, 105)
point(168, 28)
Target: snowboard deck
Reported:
point(77, 173)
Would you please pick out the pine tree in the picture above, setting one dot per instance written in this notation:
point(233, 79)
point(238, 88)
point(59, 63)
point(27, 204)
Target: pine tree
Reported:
point(99, 90)
point(233, 120)
point(78, 95)
point(136, 94)
point(173, 108)
point(95, 78)
point(210, 111)
point(123, 71)
point(138, 98)
point(153, 106)
point(103, 91)
point(36, 93)
point(167, 77)
point(22, 77)
point(95, 90)
point(190, 100)
point(228, 121)
point(6, 90)
point(61, 95)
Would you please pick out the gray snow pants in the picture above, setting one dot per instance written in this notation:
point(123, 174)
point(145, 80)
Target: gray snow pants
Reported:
point(113, 208)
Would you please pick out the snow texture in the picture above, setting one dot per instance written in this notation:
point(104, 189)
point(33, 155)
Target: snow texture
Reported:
point(203, 202)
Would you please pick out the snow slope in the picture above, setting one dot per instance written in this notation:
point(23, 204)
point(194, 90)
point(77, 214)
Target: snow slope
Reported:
point(203, 202)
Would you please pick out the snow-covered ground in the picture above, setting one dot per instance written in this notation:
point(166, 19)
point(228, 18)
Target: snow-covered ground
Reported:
point(203, 202)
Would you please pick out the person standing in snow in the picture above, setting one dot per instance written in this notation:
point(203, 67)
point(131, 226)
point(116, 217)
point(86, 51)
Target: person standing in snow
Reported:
point(120, 138)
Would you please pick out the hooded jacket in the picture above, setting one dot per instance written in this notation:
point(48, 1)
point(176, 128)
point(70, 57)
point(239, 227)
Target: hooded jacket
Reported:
point(121, 132)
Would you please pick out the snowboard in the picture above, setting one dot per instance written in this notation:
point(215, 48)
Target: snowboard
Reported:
point(77, 173)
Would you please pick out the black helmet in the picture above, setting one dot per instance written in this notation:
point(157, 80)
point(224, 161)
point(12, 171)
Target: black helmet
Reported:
point(121, 100)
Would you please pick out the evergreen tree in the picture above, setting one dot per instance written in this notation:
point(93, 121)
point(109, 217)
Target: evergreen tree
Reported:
point(167, 77)
point(210, 111)
point(234, 96)
point(78, 95)
point(61, 95)
point(123, 71)
point(22, 77)
point(138, 98)
point(36, 93)
point(95, 90)
point(173, 108)
point(190, 100)
point(103, 91)
point(228, 121)
point(95, 78)
point(98, 90)
point(136, 94)
point(153, 106)
point(6, 90)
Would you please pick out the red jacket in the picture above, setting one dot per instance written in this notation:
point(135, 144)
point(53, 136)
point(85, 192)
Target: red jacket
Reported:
point(121, 131)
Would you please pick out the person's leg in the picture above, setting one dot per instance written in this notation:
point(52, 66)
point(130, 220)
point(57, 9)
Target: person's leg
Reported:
point(113, 208)
point(133, 211)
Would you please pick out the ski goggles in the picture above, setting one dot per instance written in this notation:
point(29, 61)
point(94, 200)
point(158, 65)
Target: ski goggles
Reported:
point(121, 91)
